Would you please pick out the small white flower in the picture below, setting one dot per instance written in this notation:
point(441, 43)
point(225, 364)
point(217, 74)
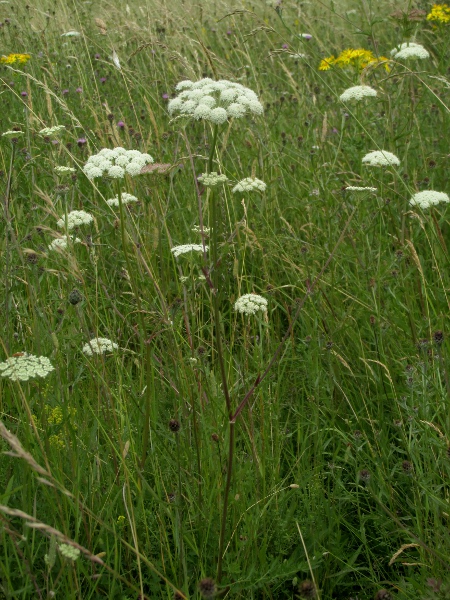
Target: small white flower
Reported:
point(74, 219)
point(69, 551)
point(250, 304)
point(50, 131)
point(12, 134)
point(358, 92)
point(116, 172)
point(126, 199)
point(299, 55)
point(249, 185)
point(134, 168)
point(236, 110)
point(23, 366)
point(63, 170)
point(62, 243)
point(428, 198)
point(212, 179)
point(99, 346)
point(380, 158)
point(196, 229)
point(202, 112)
point(410, 50)
point(354, 188)
point(186, 248)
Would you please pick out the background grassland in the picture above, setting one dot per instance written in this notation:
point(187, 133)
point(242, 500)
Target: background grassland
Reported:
point(354, 413)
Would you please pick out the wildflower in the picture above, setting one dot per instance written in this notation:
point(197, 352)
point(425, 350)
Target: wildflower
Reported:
point(299, 55)
point(13, 58)
point(212, 179)
point(250, 304)
point(23, 366)
point(207, 588)
point(380, 158)
point(186, 248)
point(196, 229)
point(63, 170)
point(428, 198)
point(71, 33)
point(306, 36)
point(327, 63)
point(214, 101)
point(353, 188)
point(65, 92)
point(358, 92)
point(120, 124)
point(115, 163)
point(81, 142)
point(410, 50)
point(74, 219)
point(49, 131)
point(358, 58)
point(250, 184)
point(24, 94)
point(79, 90)
point(126, 199)
point(62, 242)
point(57, 441)
point(440, 13)
point(12, 134)
point(69, 551)
point(99, 346)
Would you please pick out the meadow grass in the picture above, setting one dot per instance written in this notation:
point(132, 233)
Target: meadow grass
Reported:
point(298, 452)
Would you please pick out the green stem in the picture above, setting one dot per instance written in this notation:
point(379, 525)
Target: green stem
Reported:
point(8, 233)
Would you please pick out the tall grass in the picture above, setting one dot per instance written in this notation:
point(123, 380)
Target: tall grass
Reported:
point(325, 472)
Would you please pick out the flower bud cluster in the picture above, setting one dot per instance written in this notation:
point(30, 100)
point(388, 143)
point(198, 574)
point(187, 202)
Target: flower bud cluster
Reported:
point(62, 242)
point(126, 199)
point(380, 158)
point(99, 346)
point(116, 163)
point(250, 304)
point(74, 219)
point(186, 248)
point(428, 198)
point(49, 131)
point(23, 366)
point(212, 179)
point(250, 184)
point(63, 170)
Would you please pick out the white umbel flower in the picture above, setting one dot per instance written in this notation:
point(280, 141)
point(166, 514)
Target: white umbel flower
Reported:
point(50, 131)
point(115, 163)
point(69, 551)
point(428, 198)
point(250, 184)
point(380, 158)
point(410, 50)
point(214, 101)
point(356, 93)
point(250, 304)
point(71, 33)
point(355, 188)
point(64, 170)
point(74, 219)
point(212, 179)
point(12, 134)
point(62, 242)
point(186, 248)
point(23, 366)
point(126, 199)
point(99, 346)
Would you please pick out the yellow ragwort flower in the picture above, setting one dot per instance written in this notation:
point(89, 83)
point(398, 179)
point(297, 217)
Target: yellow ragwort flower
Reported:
point(326, 63)
point(440, 13)
point(358, 58)
point(13, 58)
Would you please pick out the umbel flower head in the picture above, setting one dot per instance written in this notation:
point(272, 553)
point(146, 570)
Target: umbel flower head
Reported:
point(74, 219)
point(186, 248)
point(380, 158)
point(428, 198)
point(63, 170)
point(50, 131)
point(355, 188)
point(126, 199)
point(212, 179)
point(356, 93)
point(250, 184)
point(250, 304)
point(69, 551)
point(214, 101)
point(12, 134)
point(99, 346)
point(61, 243)
point(116, 163)
point(23, 366)
point(409, 50)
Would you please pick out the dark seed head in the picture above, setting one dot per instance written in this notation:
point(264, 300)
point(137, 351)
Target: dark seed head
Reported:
point(207, 588)
point(438, 337)
point(307, 589)
point(382, 595)
point(364, 475)
point(407, 467)
point(75, 297)
point(215, 437)
point(174, 425)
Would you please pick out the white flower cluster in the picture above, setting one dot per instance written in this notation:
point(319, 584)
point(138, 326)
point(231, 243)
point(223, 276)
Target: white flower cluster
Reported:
point(69, 551)
point(63, 170)
point(299, 55)
point(355, 188)
point(250, 184)
point(428, 198)
point(356, 93)
point(74, 219)
point(410, 50)
point(23, 366)
point(71, 33)
point(62, 242)
point(214, 101)
point(186, 248)
point(380, 158)
point(196, 229)
point(250, 304)
point(212, 179)
point(99, 346)
point(115, 163)
point(49, 131)
point(12, 134)
point(126, 199)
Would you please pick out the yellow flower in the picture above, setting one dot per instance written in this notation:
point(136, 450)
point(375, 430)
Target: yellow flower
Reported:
point(440, 13)
point(12, 58)
point(121, 521)
point(326, 63)
point(57, 441)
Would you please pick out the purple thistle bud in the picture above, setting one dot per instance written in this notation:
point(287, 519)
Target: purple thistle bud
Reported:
point(79, 90)
point(23, 94)
point(102, 79)
point(81, 141)
point(65, 92)
point(120, 124)
point(165, 96)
